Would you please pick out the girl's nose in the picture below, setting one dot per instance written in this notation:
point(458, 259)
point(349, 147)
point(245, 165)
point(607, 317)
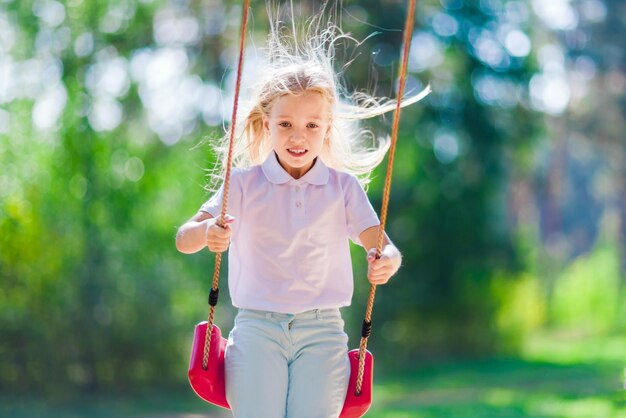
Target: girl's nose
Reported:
point(297, 135)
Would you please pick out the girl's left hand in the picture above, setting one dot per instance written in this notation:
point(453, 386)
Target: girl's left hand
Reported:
point(379, 271)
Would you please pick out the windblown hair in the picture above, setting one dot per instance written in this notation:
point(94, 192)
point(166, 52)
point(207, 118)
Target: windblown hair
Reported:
point(298, 63)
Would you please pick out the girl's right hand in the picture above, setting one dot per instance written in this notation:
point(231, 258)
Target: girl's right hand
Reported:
point(217, 237)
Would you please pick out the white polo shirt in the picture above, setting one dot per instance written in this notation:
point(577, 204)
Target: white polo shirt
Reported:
point(289, 248)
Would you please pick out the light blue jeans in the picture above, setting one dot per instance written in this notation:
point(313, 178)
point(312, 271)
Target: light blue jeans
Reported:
point(287, 365)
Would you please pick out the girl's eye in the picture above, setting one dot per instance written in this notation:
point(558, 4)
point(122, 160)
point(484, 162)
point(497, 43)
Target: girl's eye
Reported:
point(312, 125)
point(285, 124)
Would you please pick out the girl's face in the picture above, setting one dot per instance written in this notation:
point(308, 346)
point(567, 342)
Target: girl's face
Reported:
point(297, 126)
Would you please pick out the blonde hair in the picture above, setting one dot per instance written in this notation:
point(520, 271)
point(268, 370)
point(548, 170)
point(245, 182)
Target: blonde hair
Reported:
point(297, 65)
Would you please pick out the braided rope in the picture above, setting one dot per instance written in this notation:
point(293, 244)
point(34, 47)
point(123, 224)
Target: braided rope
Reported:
point(408, 34)
point(229, 162)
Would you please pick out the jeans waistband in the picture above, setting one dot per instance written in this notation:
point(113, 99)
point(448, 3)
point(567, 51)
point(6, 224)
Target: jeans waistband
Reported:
point(313, 313)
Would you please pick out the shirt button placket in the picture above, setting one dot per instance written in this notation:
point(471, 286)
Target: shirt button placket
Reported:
point(299, 196)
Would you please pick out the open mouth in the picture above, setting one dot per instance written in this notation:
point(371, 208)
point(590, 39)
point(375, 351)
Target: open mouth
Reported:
point(297, 152)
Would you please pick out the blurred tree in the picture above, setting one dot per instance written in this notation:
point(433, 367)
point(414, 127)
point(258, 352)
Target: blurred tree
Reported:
point(94, 294)
point(580, 183)
point(457, 157)
point(595, 49)
point(100, 103)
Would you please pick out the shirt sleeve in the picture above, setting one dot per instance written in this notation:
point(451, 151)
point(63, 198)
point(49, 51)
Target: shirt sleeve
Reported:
point(213, 206)
point(360, 214)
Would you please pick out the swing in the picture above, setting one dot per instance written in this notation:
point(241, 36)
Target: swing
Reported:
point(206, 363)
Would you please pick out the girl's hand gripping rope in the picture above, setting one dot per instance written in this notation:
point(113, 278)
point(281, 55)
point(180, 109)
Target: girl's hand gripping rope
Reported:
point(380, 270)
point(217, 237)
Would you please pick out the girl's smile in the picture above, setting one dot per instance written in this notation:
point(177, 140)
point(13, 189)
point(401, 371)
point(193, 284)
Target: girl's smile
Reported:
point(297, 152)
point(297, 126)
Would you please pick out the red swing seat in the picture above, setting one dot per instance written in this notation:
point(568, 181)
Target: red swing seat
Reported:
point(210, 384)
point(357, 405)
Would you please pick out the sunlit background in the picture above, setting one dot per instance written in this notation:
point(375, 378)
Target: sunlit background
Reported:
point(508, 203)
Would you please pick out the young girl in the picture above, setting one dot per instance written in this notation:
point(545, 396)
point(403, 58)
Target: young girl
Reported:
point(294, 202)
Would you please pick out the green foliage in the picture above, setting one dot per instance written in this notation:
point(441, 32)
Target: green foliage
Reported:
point(522, 309)
point(94, 295)
point(586, 296)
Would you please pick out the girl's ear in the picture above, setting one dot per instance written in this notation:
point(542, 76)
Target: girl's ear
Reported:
point(266, 125)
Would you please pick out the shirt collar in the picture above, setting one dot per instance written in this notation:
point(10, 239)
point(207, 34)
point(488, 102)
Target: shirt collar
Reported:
point(317, 175)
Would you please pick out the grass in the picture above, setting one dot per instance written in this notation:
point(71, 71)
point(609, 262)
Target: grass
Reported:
point(503, 388)
point(557, 376)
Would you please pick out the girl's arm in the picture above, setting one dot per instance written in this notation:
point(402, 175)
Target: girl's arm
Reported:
point(380, 270)
point(202, 231)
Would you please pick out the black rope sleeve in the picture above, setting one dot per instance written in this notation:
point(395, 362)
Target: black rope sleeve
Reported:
point(213, 296)
point(366, 329)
